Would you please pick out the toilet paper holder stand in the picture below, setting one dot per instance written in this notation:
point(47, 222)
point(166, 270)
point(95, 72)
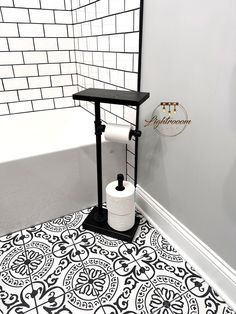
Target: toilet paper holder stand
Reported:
point(96, 221)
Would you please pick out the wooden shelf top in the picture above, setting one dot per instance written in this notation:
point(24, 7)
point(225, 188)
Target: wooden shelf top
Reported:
point(118, 97)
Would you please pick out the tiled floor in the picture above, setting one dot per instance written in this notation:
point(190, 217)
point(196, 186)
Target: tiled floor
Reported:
point(58, 267)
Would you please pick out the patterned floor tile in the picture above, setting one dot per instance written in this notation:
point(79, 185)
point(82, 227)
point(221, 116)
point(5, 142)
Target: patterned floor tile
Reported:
point(71, 303)
point(197, 301)
point(12, 257)
point(15, 292)
point(164, 249)
point(112, 253)
point(179, 277)
point(56, 276)
point(58, 267)
point(75, 220)
point(44, 294)
point(11, 239)
point(130, 293)
point(11, 246)
point(45, 236)
point(63, 244)
point(82, 240)
point(94, 248)
point(148, 236)
point(91, 284)
point(139, 252)
point(207, 300)
point(31, 311)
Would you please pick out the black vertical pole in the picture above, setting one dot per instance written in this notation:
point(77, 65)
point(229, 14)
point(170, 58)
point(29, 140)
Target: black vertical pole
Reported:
point(138, 87)
point(136, 149)
point(99, 216)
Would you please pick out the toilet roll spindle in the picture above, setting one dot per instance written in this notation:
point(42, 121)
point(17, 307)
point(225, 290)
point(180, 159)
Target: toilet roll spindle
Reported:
point(120, 179)
point(97, 219)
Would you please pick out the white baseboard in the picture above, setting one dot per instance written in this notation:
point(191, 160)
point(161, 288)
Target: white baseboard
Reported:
point(207, 263)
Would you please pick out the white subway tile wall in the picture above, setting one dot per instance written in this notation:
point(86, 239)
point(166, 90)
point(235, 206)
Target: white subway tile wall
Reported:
point(107, 55)
point(52, 49)
point(37, 55)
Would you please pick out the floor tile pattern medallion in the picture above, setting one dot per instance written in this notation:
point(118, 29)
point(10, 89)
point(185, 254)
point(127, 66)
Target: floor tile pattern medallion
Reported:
point(58, 267)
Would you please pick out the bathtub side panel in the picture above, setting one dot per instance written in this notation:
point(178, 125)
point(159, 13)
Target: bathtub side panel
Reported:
point(37, 189)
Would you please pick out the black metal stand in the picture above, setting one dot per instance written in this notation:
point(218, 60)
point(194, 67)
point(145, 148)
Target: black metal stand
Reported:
point(91, 224)
point(97, 219)
point(99, 214)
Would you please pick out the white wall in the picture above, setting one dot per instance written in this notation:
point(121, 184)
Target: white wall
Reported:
point(189, 55)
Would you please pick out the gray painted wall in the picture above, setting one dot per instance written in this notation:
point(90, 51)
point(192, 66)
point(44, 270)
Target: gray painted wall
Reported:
point(189, 55)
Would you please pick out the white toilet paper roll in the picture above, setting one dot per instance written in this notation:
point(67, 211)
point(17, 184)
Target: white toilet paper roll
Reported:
point(120, 202)
point(118, 133)
point(121, 223)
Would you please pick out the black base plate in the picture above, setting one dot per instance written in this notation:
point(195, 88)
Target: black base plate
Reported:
point(102, 227)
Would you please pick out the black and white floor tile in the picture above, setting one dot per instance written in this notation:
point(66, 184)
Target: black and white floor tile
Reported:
point(58, 267)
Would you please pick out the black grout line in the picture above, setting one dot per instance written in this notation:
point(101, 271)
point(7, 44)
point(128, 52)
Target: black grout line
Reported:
point(1, 15)
point(109, 68)
point(106, 51)
point(82, 6)
point(103, 17)
point(33, 8)
point(47, 98)
point(56, 51)
point(75, 56)
point(134, 21)
point(123, 87)
point(58, 36)
point(31, 281)
point(29, 16)
point(39, 110)
point(108, 34)
point(54, 103)
point(54, 16)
